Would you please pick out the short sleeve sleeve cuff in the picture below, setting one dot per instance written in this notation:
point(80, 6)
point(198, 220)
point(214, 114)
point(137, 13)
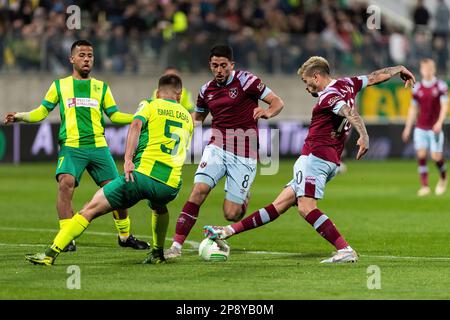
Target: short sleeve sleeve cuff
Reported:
point(338, 106)
point(138, 117)
point(365, 81)
point(266, 91)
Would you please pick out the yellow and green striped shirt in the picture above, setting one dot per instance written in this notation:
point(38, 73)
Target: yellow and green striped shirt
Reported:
point(185, 100)
point(81, 106)
point(164, 140)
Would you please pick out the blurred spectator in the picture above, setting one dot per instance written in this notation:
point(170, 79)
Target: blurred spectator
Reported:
point(421, 16)
point(440, 36)
point(269, 35)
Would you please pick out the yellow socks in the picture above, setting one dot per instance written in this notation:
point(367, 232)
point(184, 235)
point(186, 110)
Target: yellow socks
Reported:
point(71, 230)
point(63, 223)
point(160, 223)
point(122, 226)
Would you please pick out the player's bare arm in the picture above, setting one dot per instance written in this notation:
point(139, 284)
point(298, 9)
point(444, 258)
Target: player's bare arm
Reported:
point(132, 141)
point(357, 122)
point(437, 127)
point(275, 103)
point(199, 117)
point(385, 74)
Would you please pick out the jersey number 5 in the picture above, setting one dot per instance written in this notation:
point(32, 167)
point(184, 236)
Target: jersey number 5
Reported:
point(171, 135)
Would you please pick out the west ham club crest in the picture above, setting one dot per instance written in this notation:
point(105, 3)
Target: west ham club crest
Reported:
point(233, 93)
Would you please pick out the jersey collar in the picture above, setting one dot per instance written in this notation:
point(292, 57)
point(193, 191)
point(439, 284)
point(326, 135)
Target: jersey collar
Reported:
point(428, 84)
point(333, 81)
point(230, 79)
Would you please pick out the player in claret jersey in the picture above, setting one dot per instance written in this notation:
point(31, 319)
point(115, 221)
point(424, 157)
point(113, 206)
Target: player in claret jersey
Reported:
point(430, 104)
point(331, 119)
point(232, 99)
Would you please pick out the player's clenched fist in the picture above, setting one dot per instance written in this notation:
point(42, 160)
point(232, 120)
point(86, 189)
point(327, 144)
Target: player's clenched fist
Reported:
point(9, 117)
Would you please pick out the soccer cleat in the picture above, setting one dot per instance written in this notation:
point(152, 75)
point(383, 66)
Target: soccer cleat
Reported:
point(423, 191)
point(70, 247)
point(173, 252)
point(40, 259)
point(134, 243)
point(217, 232)
point(342, 256)
point(155, 256)
point(441, 187)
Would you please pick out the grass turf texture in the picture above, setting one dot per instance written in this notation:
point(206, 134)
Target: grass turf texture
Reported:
point(374, 205)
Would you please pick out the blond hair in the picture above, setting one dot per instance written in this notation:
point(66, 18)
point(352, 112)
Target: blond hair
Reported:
point(427, 60)
point(313, 65)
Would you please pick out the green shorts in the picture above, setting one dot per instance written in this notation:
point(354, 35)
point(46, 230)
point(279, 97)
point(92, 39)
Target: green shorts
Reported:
point(121, 194)
point(98, 162)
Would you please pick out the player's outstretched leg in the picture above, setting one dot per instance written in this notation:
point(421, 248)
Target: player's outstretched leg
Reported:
point(282, 203)
point(326, 228)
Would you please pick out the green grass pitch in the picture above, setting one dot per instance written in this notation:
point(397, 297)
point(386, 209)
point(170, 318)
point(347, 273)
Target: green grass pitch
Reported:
point(374, 205)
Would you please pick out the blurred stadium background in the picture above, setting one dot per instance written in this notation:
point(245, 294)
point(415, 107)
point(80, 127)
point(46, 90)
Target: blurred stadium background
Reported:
point(136, 40)
point(374, 204)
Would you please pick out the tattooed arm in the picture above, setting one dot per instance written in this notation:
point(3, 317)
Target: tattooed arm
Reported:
point(357, 122)
point(385, 74)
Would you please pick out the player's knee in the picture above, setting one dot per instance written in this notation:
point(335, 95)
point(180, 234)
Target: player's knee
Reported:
point(66, 184)
point(305, 207)
point(233, 213)
point(436, 156)
point(160, 210)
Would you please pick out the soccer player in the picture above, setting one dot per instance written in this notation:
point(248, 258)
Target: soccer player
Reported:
point(185, 100)
point(155, 152)
point(331, 119)
point(232, 99)
point(82, 101)
point(430, 105)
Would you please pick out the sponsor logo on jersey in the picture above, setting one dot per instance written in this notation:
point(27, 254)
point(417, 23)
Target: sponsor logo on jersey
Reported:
point(203, 164)
point(233, 93)
point(333, 100)
point(82, 102)
point(210, 96)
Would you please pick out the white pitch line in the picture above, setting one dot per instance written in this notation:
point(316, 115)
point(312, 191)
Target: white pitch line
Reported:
point(195, 245)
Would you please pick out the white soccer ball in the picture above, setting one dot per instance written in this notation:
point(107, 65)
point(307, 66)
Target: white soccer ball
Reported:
point(214, 250)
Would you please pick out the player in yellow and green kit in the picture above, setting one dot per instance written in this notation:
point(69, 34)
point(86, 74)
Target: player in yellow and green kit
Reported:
point(82, 101)
point(156, 149)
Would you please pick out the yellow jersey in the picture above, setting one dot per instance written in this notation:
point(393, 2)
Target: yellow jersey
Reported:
point(164, 140)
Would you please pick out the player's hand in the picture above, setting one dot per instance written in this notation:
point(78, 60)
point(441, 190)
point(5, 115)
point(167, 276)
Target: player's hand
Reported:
point(408, 77)
point(363, 144)
point(260, 113)
point(405, 135)
point(437, 128)
point(128, 168)
point(9, 118)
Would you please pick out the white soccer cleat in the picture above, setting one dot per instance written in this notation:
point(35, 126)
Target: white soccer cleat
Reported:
point(173, 252)
point(343, 256)
point(441, 187)
point(423, 191)
point(217, 232)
